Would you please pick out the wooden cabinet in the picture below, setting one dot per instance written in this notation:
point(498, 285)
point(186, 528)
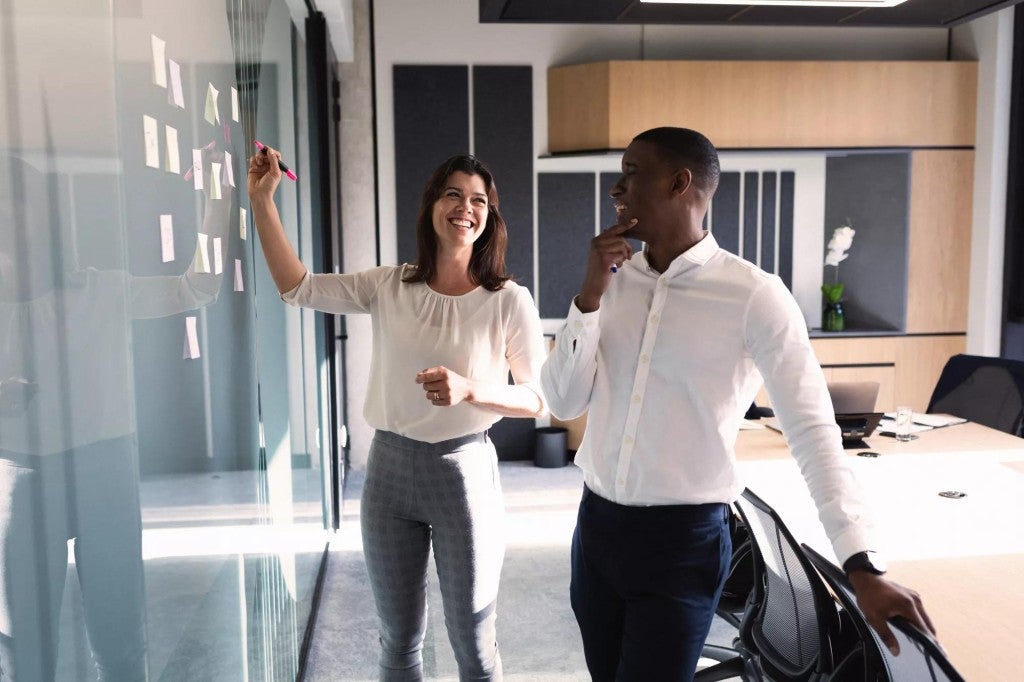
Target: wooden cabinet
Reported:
point(765, 104)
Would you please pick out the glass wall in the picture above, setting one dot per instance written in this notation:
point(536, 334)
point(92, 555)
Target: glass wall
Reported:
point(161, 504)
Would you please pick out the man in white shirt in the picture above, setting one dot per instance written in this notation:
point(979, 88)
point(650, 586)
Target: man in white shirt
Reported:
point(664, 348)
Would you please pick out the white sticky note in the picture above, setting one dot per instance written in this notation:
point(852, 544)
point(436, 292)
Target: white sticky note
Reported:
point(191, 351)
point(172, 161)
point(215, 181)
point(202, 259)
point(239, 285)
point(212, 114)
point(166, 238)
point(197, 168)
point(174, 93)
point(229, 173)
point(152, 138)
point(234, 104)
point(242, 223)
point(217, 260)
point(159, 62)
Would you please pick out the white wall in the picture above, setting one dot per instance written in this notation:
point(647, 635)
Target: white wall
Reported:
point(990, 41)
point(448, 32)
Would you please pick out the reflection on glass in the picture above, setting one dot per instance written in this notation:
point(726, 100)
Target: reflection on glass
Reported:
point(153, 418)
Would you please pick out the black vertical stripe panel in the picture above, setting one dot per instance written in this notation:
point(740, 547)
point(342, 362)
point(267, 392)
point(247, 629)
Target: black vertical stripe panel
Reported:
point(787, 180)
point(607, 204)
point(725, 216)
point(431, 124)
point(768, 181)
point(503, 140)
point(565, 210)
point(751, 207)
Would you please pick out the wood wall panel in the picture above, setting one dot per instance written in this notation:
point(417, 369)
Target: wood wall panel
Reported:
point(765, 104)
point(939, 249)
point(919, 362)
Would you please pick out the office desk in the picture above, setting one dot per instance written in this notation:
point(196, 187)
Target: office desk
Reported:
point(964, 556)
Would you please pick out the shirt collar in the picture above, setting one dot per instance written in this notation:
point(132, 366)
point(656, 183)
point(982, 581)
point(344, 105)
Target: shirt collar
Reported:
point(696, 256)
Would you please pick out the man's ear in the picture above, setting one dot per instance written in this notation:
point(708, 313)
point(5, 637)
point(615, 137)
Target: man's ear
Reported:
point(682, 179)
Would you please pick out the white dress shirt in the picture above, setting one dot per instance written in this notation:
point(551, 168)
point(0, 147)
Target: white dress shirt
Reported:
point(481, 335)
point(668, 365)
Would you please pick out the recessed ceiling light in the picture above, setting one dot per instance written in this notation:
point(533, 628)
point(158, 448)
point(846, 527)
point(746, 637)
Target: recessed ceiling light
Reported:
point(792, 3)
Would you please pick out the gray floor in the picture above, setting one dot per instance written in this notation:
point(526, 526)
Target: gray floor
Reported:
point(536, 631)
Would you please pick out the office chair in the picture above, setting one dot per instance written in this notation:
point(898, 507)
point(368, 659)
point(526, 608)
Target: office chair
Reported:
point(989, 391)
point(920, 657)
point(790, 629)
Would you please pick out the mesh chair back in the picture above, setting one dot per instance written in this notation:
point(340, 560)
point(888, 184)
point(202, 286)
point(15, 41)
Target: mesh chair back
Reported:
point(920, 657)
point(989, 391)
point(793, 628)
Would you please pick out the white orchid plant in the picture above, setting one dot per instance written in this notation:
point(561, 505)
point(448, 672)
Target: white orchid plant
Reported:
point(842, 240)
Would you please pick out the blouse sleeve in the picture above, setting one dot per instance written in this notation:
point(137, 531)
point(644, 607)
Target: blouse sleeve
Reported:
point(524, 344)
point(340, 294)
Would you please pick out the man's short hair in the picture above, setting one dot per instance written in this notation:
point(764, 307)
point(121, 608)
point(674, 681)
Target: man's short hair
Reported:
point(689, 149)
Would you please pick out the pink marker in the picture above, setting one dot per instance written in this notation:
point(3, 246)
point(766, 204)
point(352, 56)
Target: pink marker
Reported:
point(284, 168)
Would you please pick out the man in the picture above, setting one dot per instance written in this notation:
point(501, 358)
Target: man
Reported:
point(663, 348)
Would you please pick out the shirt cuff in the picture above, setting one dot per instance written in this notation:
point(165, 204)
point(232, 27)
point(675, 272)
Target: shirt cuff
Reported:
point(578, 321)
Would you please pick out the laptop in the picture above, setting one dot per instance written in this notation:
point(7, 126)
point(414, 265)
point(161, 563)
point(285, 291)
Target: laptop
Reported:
point(854, 406)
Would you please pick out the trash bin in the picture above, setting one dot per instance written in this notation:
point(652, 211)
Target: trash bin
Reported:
point(550, 449)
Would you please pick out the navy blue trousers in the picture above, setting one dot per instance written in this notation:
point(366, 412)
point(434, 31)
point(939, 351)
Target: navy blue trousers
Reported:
point(645, 584)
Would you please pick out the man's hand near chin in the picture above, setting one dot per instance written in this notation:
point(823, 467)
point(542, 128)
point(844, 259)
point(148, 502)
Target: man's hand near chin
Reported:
point(880, 599)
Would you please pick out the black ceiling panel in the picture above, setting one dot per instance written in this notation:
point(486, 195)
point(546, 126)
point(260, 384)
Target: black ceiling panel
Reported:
point(912, 13)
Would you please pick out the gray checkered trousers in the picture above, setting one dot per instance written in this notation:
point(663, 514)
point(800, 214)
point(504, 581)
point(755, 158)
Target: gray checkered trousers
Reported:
point(448, 494)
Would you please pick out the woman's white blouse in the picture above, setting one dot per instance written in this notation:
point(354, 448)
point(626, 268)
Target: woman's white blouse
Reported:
point(481, 335)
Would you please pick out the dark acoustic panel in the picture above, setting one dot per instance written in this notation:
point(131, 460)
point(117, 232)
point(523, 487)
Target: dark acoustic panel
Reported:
point(565, 209)
point(768, 189)
point(751, 209)
point(725, 213)
point(607, 204)
point(871, 193)
point(431, 124)
point(503, 139)
point(787, 181)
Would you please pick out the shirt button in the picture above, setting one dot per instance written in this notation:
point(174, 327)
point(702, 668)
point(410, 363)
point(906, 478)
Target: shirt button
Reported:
point(654, 317)
point(636, 397)
point(645, 358)
point(628, 439)
point(622, 481)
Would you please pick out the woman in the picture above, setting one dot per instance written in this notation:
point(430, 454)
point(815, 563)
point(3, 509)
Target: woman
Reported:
point(446, 332)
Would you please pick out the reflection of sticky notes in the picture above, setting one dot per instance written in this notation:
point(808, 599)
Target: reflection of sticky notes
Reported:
point(212, 114)
point(239, 285)
point(202, 259)
point(172, 162)
point(215, 181)
point(174, 93)
point(159, 62)
point(166, 238)
point(217, 260)
point(197, 168)
point(242, 218)
point(234, 104)
point(191, 351)
point(152, 140)
point(229, 173)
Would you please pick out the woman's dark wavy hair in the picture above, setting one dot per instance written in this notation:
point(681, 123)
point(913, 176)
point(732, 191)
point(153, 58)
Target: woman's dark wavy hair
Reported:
point(487, 264)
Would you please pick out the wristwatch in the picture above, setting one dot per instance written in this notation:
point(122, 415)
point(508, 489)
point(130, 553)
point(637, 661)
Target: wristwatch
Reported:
point(864, 561)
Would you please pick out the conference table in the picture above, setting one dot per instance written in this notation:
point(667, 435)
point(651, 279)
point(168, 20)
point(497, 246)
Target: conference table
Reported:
point(965, 556)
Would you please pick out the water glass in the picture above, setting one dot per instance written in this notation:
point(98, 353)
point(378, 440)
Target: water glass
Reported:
point(904, 422)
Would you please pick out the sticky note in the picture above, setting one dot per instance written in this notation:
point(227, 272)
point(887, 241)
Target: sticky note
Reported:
point(217, 260)
point(172, 161)
point(166, 238)
point(152, 140)
point(174, 93)
point(159, 62)
point(242, 223)
point(191, 351)
point(239, 285)
point(202, 259)
point(215, 181)
point(197, 168)
point(212, 114)
point(234, 104)
point(229, 173)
